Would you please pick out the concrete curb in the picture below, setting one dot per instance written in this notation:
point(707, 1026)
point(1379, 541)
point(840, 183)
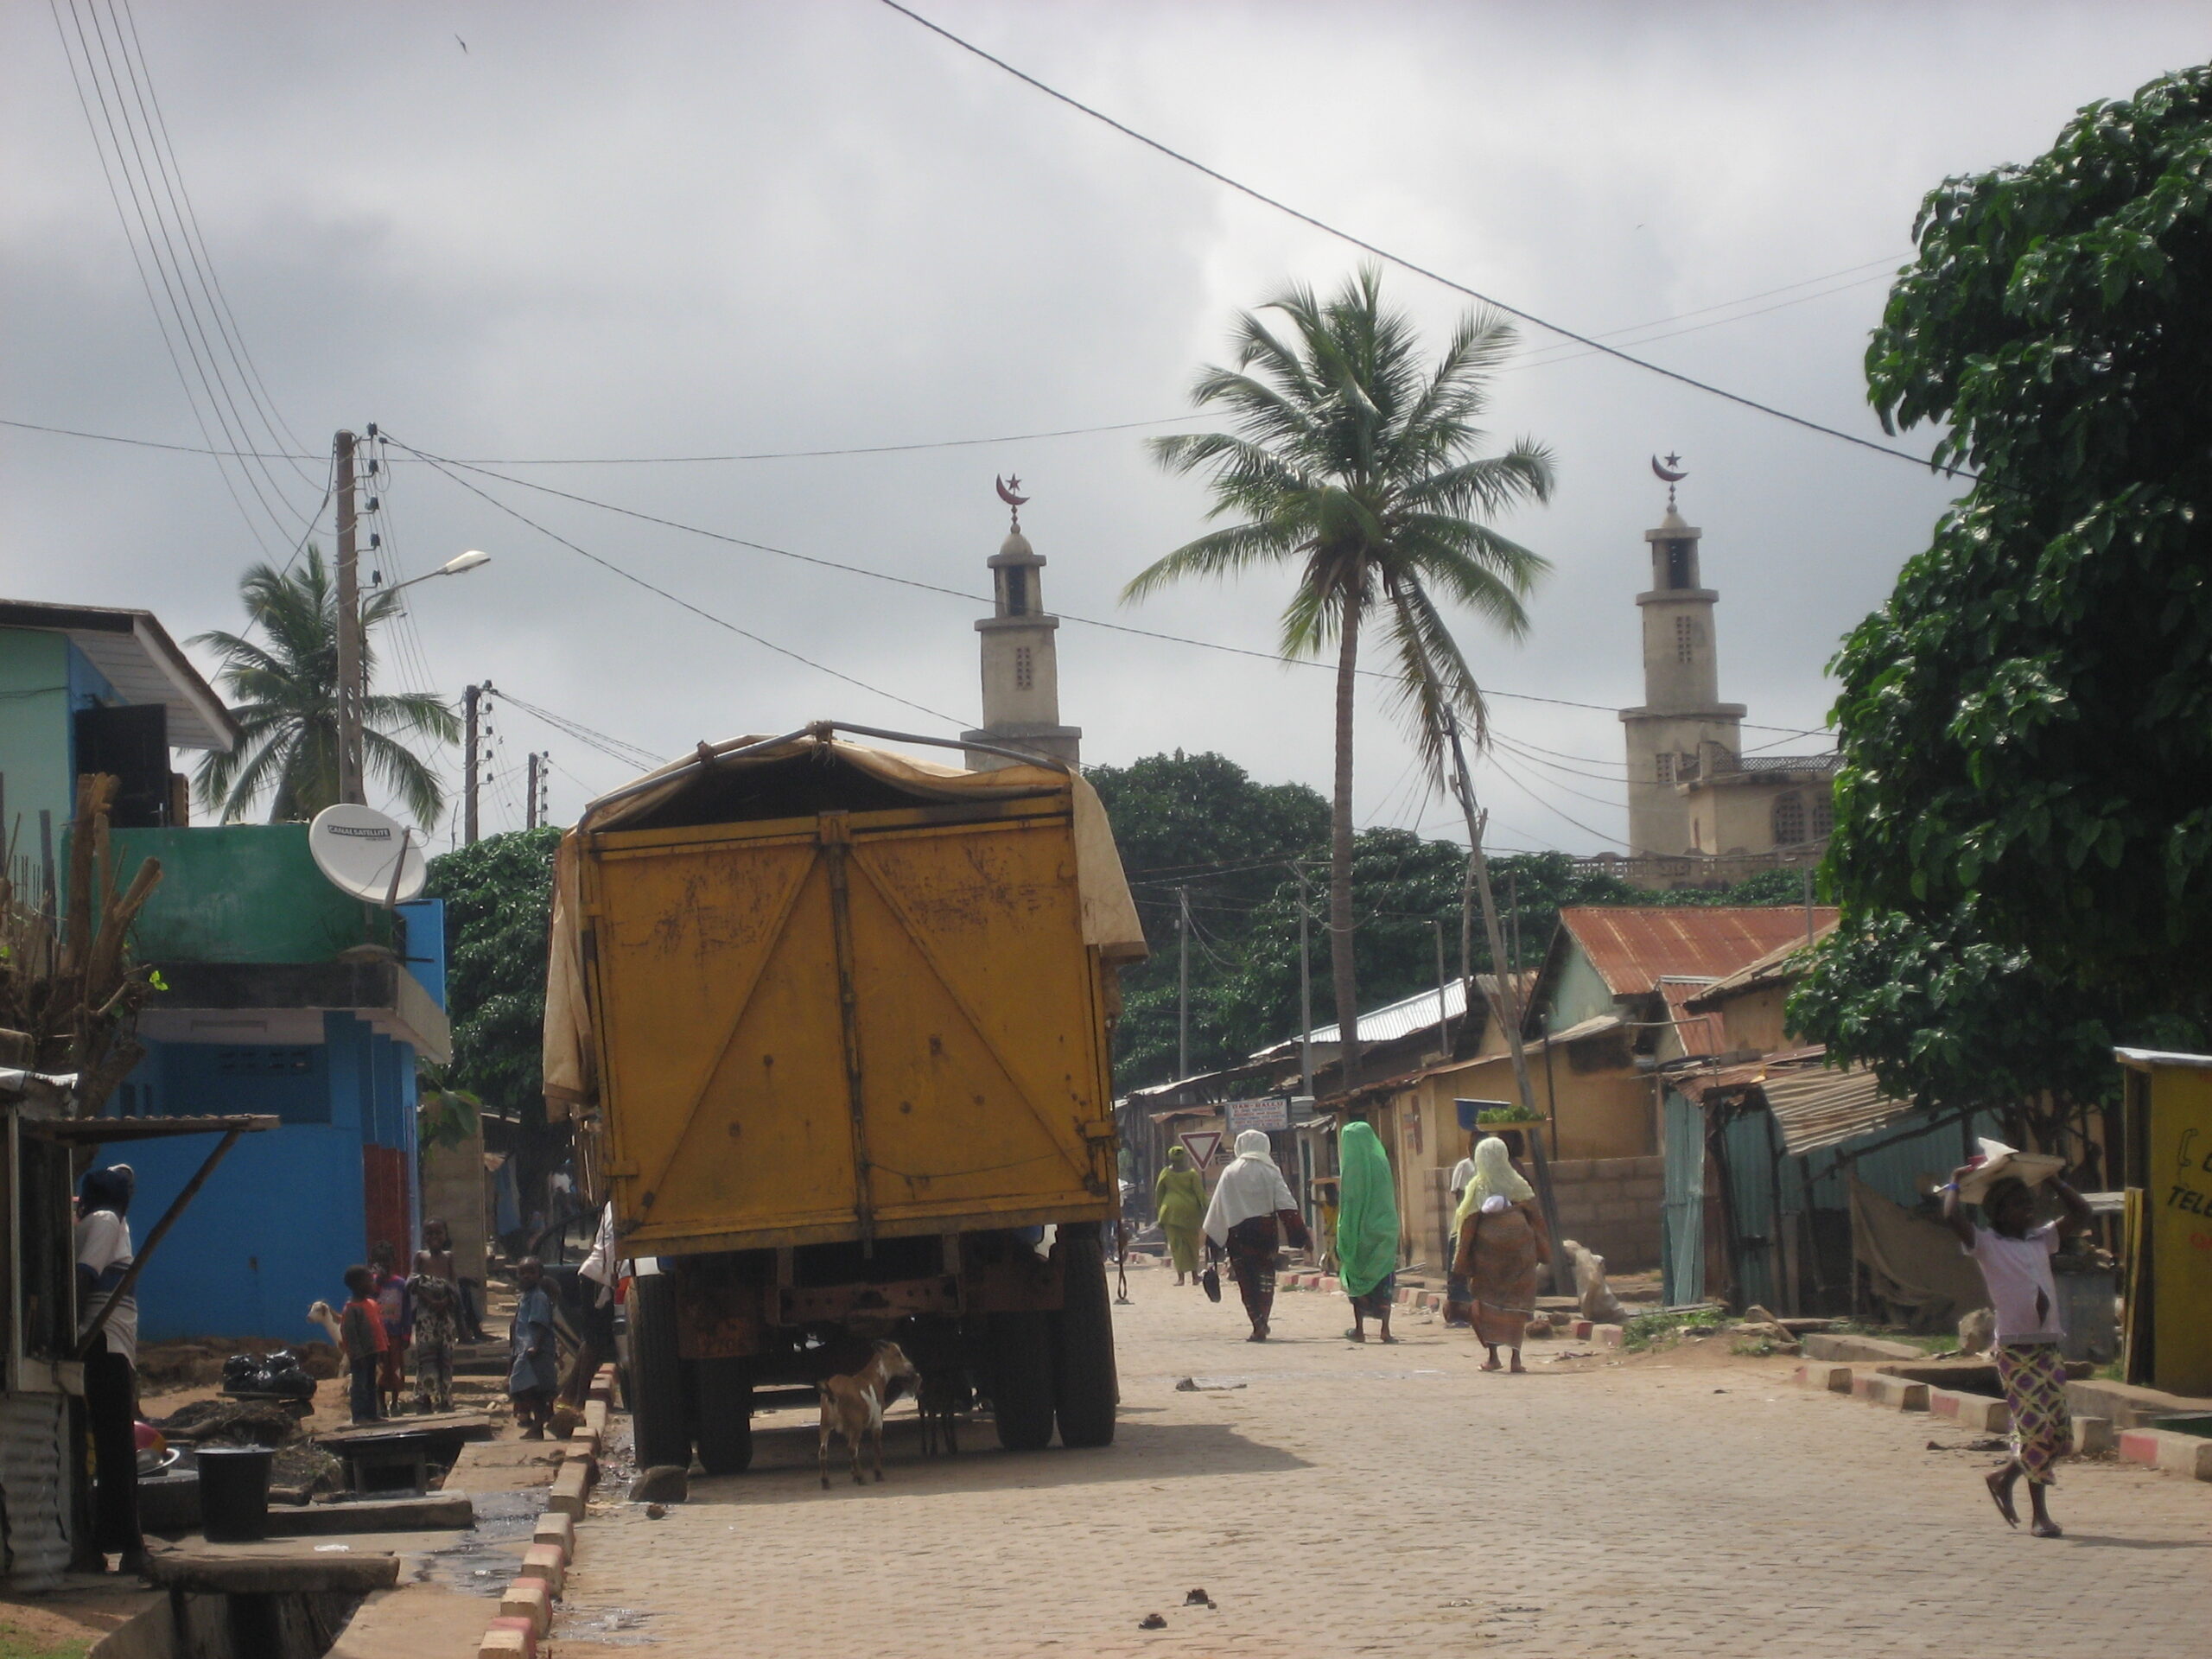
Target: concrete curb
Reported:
point(1891, 1391)
point(1822, 1374)
point(1971, 1410)
point(525, 1613)
point(2167, 1452)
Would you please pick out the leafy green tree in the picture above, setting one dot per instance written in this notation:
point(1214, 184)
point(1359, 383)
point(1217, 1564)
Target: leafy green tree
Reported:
point(444, 1115)
point(1948, 1019)
point(285, 697)
point(1201, 822)
point(1198, 821)
point(499, 896)
point(2027, 725)
point(1355, 466)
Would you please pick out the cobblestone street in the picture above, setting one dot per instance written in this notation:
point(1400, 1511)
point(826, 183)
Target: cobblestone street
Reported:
point(1397, 1500)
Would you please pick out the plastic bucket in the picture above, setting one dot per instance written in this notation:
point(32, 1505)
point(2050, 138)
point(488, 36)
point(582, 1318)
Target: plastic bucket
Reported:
point(234, 1493)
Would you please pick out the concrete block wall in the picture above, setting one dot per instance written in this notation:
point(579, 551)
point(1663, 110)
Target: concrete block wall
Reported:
point(1613, 1205)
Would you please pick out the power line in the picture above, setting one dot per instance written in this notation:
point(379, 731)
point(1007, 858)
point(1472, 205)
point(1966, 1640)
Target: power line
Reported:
point(192, 328)
point(613, 748)
point(443, 461)
point(1529, 317)
point(673, 599)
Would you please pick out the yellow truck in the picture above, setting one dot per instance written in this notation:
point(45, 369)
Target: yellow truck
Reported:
point(833, 1026)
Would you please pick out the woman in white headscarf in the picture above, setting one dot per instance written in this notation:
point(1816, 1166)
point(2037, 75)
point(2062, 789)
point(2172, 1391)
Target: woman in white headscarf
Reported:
point(1251, 1213)
point(1501, 1241)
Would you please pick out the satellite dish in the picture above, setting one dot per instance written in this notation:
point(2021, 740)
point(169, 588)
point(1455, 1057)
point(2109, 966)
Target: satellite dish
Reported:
point(367, 855)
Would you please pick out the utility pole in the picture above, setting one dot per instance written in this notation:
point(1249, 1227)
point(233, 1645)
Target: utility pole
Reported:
point(470, 745)
point(1182, 980)
point(529, 808)
point(1808, 904)
point(349, 629)
point(1508, 994)
point(1443, 1008)
point(1305, 990)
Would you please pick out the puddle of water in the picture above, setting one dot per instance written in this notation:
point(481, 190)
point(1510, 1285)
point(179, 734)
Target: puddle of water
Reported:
point(614, 1627)
point(482, 1559)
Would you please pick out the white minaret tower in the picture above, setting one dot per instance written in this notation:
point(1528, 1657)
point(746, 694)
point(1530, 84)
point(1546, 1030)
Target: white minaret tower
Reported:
point(1021, 673)
point(1683, 731)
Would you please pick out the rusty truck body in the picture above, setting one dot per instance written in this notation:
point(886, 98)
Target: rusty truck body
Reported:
point(833, 1025)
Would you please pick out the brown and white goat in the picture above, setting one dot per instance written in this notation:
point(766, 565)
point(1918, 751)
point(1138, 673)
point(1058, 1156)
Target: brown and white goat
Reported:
point(853, 1406)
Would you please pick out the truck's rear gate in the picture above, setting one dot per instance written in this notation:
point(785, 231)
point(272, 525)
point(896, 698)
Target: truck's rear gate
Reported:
point(883, 1023)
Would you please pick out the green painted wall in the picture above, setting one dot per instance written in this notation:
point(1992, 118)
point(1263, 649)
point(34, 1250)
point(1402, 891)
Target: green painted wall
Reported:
point(1581, 995)
point(34, 735)
point(239, 892)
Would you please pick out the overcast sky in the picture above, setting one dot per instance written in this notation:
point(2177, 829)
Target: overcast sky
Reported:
point(665, 230)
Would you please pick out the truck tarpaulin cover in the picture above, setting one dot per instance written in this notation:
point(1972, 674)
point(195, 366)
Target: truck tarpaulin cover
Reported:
point(841, 774)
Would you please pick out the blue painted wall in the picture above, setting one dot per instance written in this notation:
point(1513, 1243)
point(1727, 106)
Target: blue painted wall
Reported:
point(289, 1209)
point(426, 946)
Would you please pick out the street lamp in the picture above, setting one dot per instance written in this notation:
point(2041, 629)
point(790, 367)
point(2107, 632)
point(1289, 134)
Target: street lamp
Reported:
point(453, 567)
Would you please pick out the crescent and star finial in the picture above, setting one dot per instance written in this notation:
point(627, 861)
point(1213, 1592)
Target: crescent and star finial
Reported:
point(1672, 473)
point(1009, 488)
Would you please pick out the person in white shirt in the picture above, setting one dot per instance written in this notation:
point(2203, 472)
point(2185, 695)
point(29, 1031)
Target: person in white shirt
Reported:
point(2014, 1255)
point(110, 1370)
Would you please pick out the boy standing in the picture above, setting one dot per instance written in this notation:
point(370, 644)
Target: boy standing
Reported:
point(437, 1306)
point(391, 1303)
point(536, 1372)
point(360, 1329)
point(2014, 1255)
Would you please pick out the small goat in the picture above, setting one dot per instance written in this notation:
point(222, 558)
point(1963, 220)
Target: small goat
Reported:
point(943, 1396)
point(853, 1406)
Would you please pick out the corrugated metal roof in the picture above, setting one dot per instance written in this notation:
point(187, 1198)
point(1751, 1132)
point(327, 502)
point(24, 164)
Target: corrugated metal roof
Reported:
point(1633, 949)
point(1820, 1107)
point(1777, 966)
point(1402, 1018)
point(112, 1131)
point(1698, 1033)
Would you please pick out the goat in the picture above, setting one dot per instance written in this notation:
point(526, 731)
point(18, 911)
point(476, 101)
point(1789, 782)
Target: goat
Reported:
point(943, 1396)
point(853, 1406)
point(320, 1313)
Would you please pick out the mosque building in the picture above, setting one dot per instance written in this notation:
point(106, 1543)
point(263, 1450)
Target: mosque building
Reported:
point(1021, 673)
point(1701, 812)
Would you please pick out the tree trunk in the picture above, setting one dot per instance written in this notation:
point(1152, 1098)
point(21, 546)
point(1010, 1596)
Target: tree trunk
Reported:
point(1343, 977)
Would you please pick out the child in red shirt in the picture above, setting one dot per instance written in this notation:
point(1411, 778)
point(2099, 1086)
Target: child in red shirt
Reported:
point(361, 1327)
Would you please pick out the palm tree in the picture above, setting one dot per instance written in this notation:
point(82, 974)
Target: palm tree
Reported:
point(285, 696)
point(1355, 466)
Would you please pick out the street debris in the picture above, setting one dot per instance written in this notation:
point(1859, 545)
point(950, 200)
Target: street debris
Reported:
point(1206, 1385)
point(1152, 1622)
point(1197, 1599)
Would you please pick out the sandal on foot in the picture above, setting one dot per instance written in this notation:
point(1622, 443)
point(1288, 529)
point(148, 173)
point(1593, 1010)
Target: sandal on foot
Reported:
point(2003, 1500)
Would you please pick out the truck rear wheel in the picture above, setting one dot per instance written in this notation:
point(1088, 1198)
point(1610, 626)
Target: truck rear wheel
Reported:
point(662, 1436)
point(725, 1388)
point(1022, 1380)
point(1083, 1391)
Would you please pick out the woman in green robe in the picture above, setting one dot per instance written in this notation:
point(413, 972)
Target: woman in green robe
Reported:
point(1367, 1229)
point(1179, 1200)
